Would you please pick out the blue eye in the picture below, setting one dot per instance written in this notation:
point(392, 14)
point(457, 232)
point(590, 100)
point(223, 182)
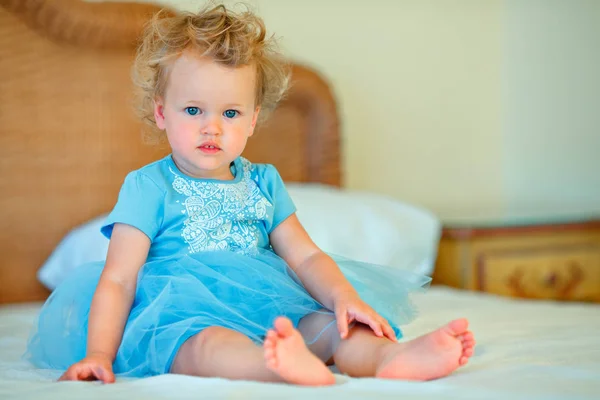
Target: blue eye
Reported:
point(192, 110)
point(230, 113)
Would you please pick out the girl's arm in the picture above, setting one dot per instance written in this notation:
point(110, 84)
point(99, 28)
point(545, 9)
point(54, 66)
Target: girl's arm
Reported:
point(111, 304)
point(319, 274)
point(127, 252)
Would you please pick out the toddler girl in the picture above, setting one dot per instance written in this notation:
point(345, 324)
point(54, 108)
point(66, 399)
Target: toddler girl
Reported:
point(209, 272)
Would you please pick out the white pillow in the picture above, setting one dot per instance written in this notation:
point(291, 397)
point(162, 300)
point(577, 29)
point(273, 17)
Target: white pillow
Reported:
point(358, 225)
point(83, 244)
point(368, 227)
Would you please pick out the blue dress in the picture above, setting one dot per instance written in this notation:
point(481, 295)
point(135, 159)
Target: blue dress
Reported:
point(210, 264)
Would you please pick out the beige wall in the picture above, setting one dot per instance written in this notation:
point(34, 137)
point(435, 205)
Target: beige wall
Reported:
point(449, 104)
point(551, 106)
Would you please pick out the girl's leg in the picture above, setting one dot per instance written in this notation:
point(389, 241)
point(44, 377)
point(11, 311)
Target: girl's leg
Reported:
point(431, 356)
point(224, 353)
point(320, 333)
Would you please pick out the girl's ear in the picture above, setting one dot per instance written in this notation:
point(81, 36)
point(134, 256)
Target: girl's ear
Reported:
point(159, 115)
point(254, 119)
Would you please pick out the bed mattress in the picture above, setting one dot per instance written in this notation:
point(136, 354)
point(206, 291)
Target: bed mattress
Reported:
point(525, 350)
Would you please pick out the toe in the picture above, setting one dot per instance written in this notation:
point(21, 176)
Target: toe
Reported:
point(463, 360)
point(271, 362)
point(268, 344)
point(457, 327)
point(284, 326)
point(271, 335)
point(468, 352)
point(269, 354)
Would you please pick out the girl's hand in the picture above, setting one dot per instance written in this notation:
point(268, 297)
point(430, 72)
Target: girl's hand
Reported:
point(348, 307)
point(93, 367)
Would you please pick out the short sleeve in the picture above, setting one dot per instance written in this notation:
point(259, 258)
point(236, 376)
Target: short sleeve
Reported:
point(140, 204)
point(273, 187)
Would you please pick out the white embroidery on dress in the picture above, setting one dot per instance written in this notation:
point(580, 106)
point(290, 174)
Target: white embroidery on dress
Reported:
point(222, 216)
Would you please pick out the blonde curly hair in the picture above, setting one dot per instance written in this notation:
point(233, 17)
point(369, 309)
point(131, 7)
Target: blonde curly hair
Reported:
point(232, 39)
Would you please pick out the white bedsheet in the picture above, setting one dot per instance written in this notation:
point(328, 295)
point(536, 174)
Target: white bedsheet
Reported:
point(525, 350)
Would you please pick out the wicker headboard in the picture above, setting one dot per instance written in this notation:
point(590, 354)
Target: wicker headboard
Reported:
point(68, 136)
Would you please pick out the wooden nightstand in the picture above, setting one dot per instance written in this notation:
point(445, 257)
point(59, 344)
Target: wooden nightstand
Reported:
point(559, 261)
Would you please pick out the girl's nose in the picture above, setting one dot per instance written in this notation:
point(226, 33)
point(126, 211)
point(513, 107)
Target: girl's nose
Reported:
point(212, 126)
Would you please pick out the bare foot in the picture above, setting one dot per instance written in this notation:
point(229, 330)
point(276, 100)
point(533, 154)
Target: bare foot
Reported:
point(431, 356)
point(287, 355)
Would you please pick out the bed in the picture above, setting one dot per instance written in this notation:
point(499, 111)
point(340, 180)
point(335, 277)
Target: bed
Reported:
point(67, 139)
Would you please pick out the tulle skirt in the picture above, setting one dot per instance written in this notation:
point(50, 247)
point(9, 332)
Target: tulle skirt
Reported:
point(179, 297)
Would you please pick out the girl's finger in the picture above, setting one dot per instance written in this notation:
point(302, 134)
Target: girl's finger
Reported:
point(372, 322)
point(67, 375)
point(104, 375)
point(341, 315)
point(376, 326)
point(388, 331)
point(85, 374)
